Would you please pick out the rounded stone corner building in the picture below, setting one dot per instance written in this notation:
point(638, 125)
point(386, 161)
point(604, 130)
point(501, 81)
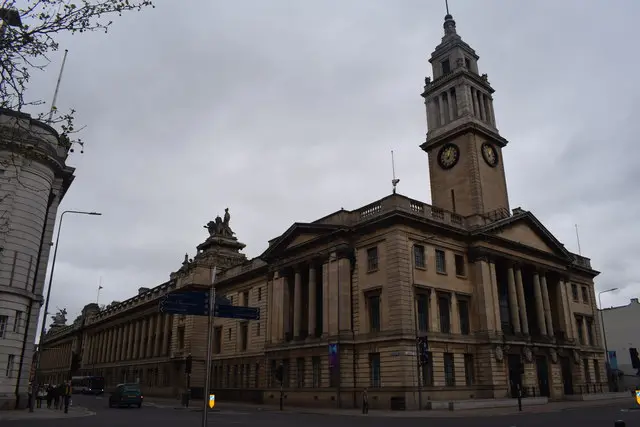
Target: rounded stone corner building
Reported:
point(502, 306)
point(33, 180)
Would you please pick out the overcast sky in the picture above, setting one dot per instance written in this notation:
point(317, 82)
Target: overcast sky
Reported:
point(286, 110)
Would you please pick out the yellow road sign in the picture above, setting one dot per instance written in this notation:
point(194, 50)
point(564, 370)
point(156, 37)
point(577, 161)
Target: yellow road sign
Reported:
point(638, 397)
point(212, 400)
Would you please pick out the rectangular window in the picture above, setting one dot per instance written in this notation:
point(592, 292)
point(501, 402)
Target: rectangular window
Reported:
point(374, 368)
point(426, 371)
point(256, 376)
point(590, 336)
point(422, 305)
point(574, 292)
point(10, 365)
point(181, 337)
point(272, 373)
point(460, 266)
point(217, 340)
point(18, 321)
point(581, 337)
point(585, 295)
point(373, 303)
point(446, 67)
point(300, 372)
point(4, 320)
point(463, 309)
point(258, 329)
point(372, 259)
point(245, 298)
point(315, 366)
point(285, 373)
point(259, 294)
point(441, 262)
point(469, 369)
point(445, 318)
point(587, 373)
point(449, 370)
point(419, 256)
point(244, 336)
point(596, 370)
point(467, 63)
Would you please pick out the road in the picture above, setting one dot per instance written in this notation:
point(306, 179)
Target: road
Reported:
point(160, 417)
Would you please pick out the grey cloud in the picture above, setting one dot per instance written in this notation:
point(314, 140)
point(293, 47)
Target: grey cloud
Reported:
point(286, 111)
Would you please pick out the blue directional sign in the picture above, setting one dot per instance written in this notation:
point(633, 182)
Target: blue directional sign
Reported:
point(194, 303)
point(235, 312)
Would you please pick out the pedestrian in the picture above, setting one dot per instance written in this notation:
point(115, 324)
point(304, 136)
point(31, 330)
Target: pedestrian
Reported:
point(365, 401)
point(67, 396)
point(49, 396)
point(41, 396)
point(56, 396)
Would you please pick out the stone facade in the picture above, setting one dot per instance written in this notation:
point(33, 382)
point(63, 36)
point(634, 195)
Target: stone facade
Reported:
point(343, 299)
point(33, 180)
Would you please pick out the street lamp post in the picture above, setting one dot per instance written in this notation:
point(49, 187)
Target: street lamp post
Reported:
point(604, 332)
point(46, 303)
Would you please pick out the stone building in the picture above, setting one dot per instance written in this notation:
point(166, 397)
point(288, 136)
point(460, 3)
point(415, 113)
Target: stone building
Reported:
point(33, 180)
point(503, 303)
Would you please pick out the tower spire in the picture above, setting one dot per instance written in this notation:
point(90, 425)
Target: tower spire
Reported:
point(449, 23)
point(446, 5)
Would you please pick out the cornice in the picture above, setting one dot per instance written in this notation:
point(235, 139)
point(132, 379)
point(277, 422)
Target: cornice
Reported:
point(466, 126)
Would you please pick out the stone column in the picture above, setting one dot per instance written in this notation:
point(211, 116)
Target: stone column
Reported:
point(443, 114)
point(130, 341)
point(312, 301)
point(434, 324)
point(343, 274)
point(297, 304)
point(495, 296)
point(585, 331)
point(118, 343)
point(158, 343)
point(326, 302)
point(452, 108)
point(546, 304)
point(513, 301)
point(165, 335)
point(522, 304)
point(150, 334)
point(112, 345)
point(136, 340)
point(287, 323)
point(539, 305)
point(455, 315)
point(142, 353)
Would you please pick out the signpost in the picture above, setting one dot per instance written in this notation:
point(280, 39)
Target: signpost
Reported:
point(206, 303)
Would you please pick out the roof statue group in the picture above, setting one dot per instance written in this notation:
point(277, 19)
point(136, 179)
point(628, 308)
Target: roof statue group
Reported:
point(220, 227)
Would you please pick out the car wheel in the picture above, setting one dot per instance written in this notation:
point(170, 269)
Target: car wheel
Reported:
point(139, 405)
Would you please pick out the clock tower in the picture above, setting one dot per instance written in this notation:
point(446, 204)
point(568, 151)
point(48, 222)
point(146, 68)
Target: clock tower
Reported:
point(465, 149)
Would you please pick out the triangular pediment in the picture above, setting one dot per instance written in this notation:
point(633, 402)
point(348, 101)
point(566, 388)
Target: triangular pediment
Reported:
point(523, 234)
point(297, 235)
point(524, 229)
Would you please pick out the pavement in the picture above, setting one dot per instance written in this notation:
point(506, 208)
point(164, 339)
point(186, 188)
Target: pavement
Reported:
point(162, 413)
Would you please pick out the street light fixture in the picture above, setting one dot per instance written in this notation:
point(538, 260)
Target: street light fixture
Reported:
point(47, 299)
point(604, 332)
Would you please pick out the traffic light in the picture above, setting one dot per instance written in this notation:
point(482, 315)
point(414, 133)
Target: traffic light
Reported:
point(422, 350)
point(188, 364)
point(280, 373)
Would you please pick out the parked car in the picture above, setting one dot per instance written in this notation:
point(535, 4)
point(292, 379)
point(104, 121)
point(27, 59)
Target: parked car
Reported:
point(126, 395)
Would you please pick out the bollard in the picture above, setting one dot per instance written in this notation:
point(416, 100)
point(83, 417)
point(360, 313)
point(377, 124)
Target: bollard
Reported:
point(519, 398)
point(281, 398)
point(619, 423)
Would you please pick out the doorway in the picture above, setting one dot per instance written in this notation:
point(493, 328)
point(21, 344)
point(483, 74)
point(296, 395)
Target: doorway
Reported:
point(542, 367)
point(516, 369)
point(567, 375)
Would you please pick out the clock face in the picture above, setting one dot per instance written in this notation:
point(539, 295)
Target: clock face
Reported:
point(448, 156)
point(490, 154)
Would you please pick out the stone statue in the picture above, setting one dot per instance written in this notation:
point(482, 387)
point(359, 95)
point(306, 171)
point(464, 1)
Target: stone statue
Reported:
point(60, 318)
point(220, 227)
point(427, 81)
point(186, 259)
